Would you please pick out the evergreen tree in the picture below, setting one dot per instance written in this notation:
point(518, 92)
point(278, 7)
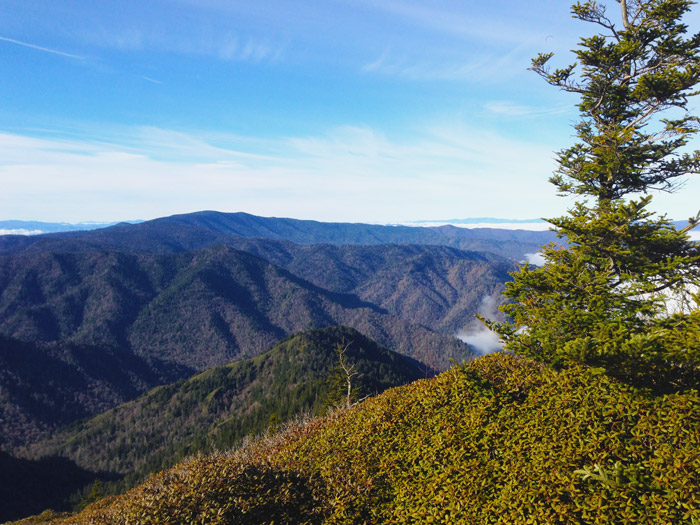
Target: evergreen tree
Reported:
point(622, 291)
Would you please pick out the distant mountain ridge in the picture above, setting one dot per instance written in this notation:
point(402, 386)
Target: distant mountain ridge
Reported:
point(202, 229)
point(489, 235)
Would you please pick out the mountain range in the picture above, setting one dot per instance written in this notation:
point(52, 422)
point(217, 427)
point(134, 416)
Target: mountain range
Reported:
point(90, 320)
point(122, 309)
point(117, 324)
point(203, 229)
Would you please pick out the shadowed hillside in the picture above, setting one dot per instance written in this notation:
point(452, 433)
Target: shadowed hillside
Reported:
point(176, 313)
point(214, 410)
point(47, 385)
point(28, 486)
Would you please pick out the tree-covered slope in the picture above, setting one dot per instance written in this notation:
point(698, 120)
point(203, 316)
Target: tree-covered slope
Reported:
point(218, 407)
point(47, 385)
point(435, 286)
point(230, 302)
point(154, 318)
point(210, 411)
point(501, 440)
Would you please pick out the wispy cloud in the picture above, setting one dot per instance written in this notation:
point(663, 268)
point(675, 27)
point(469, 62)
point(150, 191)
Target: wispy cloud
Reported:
point(535, 259)
point(417, 69)
point(149, 79)
point(199, 41)
point(511, 109)
point(40, 48)
point(491, 66)
point(468, 24)
point(476, 335)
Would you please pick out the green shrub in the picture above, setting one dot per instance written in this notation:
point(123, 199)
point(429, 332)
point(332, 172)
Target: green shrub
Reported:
point(503, 439)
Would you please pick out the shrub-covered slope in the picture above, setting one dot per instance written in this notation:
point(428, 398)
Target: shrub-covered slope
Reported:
point(501, 440)
point(212, 410)
point(217, 408)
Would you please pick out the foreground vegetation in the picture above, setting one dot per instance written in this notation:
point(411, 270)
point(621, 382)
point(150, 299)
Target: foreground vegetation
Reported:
point(216, 409)
point(503, 439)
point(595, 420)
point(210, 411)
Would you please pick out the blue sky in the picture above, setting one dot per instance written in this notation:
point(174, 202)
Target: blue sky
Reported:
point(337, 110)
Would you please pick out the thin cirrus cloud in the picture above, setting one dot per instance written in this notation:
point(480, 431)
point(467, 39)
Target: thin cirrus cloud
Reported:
point(511, 109)
point(454, 22)
point(197, 41)
point(417, 69)
point(41, 48)
point(448, 42)
point(225, 47)
point(467, 67)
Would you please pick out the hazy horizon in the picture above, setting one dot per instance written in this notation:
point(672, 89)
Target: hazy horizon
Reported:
point(20, 227)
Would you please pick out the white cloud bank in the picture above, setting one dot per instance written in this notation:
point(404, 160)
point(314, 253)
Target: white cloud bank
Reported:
point(20, 231)
point(476, 335)
point(519, 225)
point(481, 339)
point(349, 174)
point(536, 259)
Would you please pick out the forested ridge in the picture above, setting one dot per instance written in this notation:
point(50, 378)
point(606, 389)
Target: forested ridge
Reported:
point(213, 410)
point(116, 324)
point(203, 229)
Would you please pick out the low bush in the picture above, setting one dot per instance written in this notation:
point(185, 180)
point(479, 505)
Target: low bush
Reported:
point(501, 440)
